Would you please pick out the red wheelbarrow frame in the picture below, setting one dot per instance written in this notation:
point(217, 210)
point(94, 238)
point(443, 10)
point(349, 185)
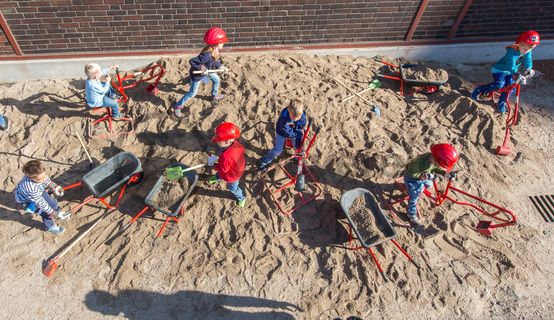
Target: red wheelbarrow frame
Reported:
point(132, 180)
point(426, 87)
point(292, 177)
point(483, 226)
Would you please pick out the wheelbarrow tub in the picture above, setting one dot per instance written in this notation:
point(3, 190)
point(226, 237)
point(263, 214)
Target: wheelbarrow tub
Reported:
point(417, 83)
point(110, 175)
point(383, 223)
point(191, 176)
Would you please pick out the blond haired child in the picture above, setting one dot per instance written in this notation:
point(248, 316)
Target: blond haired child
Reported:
point(98, 91)
point(290, 125)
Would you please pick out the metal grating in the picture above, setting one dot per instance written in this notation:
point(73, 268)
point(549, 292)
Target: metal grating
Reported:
point(545, 206)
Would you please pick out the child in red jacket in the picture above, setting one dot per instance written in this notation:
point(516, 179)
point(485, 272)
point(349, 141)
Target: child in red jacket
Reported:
point(230, 163)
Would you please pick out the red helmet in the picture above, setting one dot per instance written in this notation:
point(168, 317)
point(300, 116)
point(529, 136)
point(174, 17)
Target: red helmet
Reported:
point(445, 155)
point(215, 36)
point(226, 131)
point(529, 37)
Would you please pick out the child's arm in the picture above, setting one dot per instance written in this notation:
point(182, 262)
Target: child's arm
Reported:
point(201, 60)
point(222, 165)
point(41, 203)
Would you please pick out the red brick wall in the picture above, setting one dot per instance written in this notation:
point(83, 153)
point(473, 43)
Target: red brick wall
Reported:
point(507, 17)
point(55, 26)
point(5, 47)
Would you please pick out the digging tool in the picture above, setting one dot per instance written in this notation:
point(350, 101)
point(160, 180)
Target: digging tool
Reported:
point(86, 151)
point(174, 173)
point(352, 91)
point(52, 264)
point(300, 184)
point(372, 85)
point(210, 71)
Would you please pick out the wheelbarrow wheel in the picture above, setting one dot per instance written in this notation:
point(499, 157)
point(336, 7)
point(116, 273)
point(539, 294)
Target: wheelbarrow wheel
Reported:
point(135, 179)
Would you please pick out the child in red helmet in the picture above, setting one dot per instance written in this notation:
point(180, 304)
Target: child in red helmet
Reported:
point(506, 68)
point(208, 59)
point(230, 163)
point(419, 173)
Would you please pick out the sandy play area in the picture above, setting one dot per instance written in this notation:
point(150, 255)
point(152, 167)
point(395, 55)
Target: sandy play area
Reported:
point(224, 262)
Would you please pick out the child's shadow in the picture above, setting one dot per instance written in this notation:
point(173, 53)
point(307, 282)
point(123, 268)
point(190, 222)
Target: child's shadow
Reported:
point(52, 104)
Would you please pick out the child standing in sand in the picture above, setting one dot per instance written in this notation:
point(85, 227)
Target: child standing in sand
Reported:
point(419, 173)
point(230, 163)
point(32, 195)
point(4, 124)
point(290, 125)
point(505, 69)
point(98, 91)
point(208, 59)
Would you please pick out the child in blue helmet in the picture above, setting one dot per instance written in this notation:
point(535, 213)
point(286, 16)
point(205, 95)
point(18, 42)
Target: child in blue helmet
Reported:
point(506, 68)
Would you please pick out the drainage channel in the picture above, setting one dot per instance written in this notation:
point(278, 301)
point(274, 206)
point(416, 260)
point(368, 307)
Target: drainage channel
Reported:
point(545, 206)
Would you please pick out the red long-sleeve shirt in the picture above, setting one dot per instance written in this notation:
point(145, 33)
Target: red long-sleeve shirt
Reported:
point(231, 163)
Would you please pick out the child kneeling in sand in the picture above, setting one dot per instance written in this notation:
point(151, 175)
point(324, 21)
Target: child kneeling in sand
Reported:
point(98, 91)
point(504, 71)
point(419, 173)
point(208, 59)
point(230, 163)
point(290, 125)
point(31, 194)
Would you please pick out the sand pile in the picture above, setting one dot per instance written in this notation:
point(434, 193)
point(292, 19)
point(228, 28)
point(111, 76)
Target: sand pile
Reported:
point(170, 194)
point(421, 72)
point(365, 221)
point(222, 262)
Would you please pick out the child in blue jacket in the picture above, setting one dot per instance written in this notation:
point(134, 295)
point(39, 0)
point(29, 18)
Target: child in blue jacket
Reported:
point(208, 59)
point(506, 68)
point(98, 91)
point(290, 125)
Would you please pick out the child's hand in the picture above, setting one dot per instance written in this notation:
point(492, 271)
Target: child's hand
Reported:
point(204, 70)
point(114, 67)
point(225, 69)
point(106, 78)
point(212, 160)
point(58, 191)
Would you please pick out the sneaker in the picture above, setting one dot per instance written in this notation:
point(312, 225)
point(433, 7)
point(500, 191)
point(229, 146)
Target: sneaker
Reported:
point(242, 203)
point(216, 98)
point(475, 95)
point(213, 180)
point(415, 220)
point(118, 116)
point(262, 166)
point(178, 113)
point(4, 123)
point(56, 229)
point(502, 107)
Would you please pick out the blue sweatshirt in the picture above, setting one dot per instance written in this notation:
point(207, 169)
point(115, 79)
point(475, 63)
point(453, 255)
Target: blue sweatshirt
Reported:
point(205, 59)
point(509, 64)
point(288, 128)
point(95, 90)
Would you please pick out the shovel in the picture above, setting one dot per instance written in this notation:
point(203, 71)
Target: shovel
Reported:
point(52, 264)
point(372, 86)
point(175, 173)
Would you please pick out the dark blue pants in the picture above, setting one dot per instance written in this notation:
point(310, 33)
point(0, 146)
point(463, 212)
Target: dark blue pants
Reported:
point(47, 220)
point(501, 80)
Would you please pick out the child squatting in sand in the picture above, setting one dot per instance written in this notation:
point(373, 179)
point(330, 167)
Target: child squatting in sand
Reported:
point(31, 194)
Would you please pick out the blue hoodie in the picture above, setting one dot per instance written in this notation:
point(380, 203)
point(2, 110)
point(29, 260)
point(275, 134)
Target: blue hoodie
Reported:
point(205, 59)
point(509, 64)
point(288, 128)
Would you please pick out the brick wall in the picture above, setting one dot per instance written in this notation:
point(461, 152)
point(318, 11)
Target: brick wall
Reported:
point(5, 47)
point(507, 17)
point(56, 26)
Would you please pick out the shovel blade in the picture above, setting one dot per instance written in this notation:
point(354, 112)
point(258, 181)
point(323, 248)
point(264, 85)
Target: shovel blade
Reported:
point(503, 150)
point(174, 173)
point(50, 268)
point(484, 228)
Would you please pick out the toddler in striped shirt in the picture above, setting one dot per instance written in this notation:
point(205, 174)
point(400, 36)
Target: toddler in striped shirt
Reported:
point(31, 194)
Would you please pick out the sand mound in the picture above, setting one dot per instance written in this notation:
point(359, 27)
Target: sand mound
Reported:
point(423, 73)
point(223, 262)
